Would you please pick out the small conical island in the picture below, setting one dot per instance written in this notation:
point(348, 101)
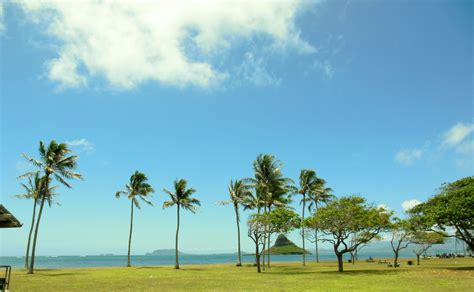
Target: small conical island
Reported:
point(285, 246)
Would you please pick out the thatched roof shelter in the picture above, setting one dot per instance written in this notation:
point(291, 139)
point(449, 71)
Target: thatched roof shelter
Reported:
point(7, 220)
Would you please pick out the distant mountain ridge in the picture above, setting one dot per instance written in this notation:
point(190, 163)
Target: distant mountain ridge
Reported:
point(163, 252)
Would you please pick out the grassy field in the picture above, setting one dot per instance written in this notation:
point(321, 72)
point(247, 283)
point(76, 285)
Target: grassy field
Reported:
point(432, 275)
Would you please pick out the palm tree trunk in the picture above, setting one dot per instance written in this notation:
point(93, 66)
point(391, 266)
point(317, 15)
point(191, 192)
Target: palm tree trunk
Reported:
point(316, 243)
point(33, 251)
point(130, 236)
point(302, 230)
point(239, 260)
point(316, 235)
point(29, 235)
point(268, 244)
point(176, 265)
point(43, 199)
point(257, 257)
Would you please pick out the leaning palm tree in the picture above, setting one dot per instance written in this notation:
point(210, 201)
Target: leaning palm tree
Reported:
point(33, 190)
point(55, 162)
point(181, 197)
point(323, 195)
point(239, 193)
point(309, 184)
point(137, 188)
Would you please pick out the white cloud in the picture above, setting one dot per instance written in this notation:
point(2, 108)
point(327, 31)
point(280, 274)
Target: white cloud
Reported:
point(175, 43)
point(457, 134)
point(325, 66)
point(253, 70)
point(385, 207)
point(408, 156)
point(2, 23)
point(83, 144)
point(466, 148)
point(409, 204)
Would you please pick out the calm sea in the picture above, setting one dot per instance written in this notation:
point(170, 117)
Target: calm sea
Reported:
point(55, 262)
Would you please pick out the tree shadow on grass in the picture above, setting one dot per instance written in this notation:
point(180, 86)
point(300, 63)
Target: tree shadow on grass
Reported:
point(58, 274)
point(455, 268)
point(364, 272)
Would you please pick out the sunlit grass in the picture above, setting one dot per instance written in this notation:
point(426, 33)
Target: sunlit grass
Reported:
point(432, 275)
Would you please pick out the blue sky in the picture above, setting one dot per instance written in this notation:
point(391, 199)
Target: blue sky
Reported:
point(376, 96)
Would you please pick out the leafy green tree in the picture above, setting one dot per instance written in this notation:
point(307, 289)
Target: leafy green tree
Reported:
point(340, 219)
point(137, 188)
point(424, 240)
point(54, 162)
point(239, 193)
point(402, 236)
point(181, 197)
point(451, 208)
point(33, 190)
point(281, 220)
point(257, 228)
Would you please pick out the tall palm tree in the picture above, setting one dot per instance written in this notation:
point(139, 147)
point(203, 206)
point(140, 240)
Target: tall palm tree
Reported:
point(270, 185)
point(137, 188)
point(239, 192)
point(33, 190)
point(309, 184)
point(181, 197)
point(55, 162)
point(322, 195)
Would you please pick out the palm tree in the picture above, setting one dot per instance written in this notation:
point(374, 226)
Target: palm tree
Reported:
point(322, 195)
point(239, 193)
point(309, 184)
point(54, 163)
point(181, 197)
point(137, 188)
point(33, 190)
point(270, 186)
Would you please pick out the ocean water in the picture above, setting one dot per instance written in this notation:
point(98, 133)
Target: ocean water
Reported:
point(56, 262)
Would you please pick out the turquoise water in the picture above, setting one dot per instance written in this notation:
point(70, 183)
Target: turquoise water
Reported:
point(55, 262)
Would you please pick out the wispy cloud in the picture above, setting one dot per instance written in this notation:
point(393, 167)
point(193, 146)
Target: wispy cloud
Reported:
point(409, 204)
point(82, 144)
point(176, 43)
point(325, 67)
point(253, 70)
point(457, 141)
point(2, 23)
point(457, 134)
point(408, 156)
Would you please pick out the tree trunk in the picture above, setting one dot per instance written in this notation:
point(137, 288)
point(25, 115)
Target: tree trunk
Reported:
point(316, 243)
point(302, 230)
point(130, 235)
point(417, 259)
point(395, 261)
point(33, 251)
point(176, 265)
point(268, 250)
point(257, 256)
point(31, 233)
point(352, 258)
point(239, 260)
point(268, 245)
point(340, 263)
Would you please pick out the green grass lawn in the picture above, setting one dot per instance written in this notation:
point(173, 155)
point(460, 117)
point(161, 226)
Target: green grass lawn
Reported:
point(432, 275)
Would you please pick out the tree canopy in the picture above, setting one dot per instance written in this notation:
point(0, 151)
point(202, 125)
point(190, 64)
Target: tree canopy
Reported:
point(349, 222)
point(452, 207)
